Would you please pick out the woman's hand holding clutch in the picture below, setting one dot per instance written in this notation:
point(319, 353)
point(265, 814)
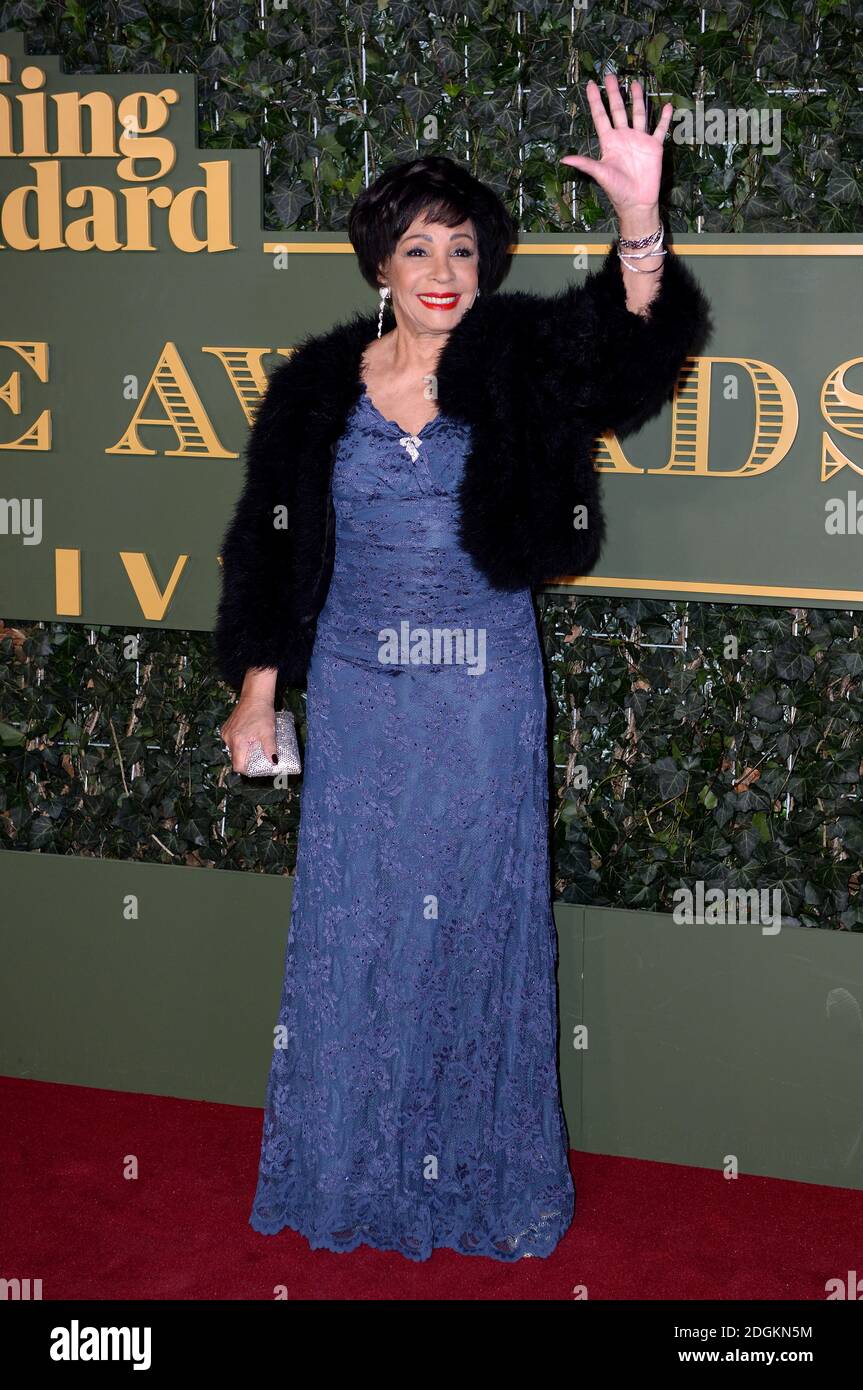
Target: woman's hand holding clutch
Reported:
point(252, 719)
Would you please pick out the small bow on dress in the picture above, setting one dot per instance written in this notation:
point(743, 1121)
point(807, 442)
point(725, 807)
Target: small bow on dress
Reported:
point(411, 442)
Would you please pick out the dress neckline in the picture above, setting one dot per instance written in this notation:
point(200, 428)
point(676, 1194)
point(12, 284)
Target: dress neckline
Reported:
point(394, 424)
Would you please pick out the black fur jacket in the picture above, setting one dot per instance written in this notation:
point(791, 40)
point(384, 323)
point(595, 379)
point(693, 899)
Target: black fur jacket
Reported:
point(536, 377)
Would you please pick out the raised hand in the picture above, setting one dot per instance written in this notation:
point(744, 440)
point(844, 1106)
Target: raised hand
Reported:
point(630, 167)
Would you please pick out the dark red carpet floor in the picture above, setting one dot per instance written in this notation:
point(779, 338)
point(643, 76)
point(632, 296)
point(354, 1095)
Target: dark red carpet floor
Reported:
point(180, 1229)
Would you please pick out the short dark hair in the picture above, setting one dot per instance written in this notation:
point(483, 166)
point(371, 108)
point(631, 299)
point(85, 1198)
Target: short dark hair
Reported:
point(447, 193)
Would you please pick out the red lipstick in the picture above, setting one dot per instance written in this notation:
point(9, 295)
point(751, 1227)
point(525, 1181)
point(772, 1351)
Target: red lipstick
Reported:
point(439, 301)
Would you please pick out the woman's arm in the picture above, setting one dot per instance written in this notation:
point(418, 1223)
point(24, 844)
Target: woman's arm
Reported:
point(259, 683)
point(252, 633)
point(593, 355)
point(612, 348)
point(641, 285)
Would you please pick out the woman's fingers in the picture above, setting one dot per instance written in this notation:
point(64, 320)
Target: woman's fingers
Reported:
point(618, 109)
point(240, 742)
point(664, 122)
point(639, 115)
point(582, 162)
point(615, 101)
point(597, 109)
point(268, 741)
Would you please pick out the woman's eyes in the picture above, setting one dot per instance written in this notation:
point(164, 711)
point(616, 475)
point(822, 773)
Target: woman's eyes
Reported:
point(421, 251)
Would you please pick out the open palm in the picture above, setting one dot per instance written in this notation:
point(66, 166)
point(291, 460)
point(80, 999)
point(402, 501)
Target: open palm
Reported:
point(630, 167)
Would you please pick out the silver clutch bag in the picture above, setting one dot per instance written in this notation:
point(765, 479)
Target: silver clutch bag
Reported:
point(287, 748)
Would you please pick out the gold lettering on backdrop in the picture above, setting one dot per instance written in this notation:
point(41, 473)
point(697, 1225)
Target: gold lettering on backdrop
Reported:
point(99, 229)
point(154, 603)
point(690, 429)
point(776, 421)
point(690, 421)
point(246, 374)
point(37, 435)
point(609, 456)
point(217, 201)
point(187, 417)
point(32, 215)
point(67, 583)
point(139, 140)
point(842, 408)
point(70, 145)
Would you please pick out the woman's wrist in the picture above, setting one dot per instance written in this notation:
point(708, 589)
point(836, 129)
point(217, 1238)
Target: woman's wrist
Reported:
point(642, 273)
point(634, 223)
point(260, 684)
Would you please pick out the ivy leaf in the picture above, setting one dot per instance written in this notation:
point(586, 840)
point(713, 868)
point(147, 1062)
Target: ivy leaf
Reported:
point(763, 706)
point(673, 782)
point(792, 665)
point(41, 833)
point(289, 199)
point(843, 189)
point(653, 49)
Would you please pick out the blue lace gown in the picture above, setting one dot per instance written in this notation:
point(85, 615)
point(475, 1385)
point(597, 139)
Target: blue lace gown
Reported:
point(413, 1099)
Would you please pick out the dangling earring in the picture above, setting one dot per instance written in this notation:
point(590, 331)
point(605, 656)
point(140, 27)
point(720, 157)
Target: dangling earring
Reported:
point(384, 294)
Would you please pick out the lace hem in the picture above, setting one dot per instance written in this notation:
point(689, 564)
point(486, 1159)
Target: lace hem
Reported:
point(340, 1235)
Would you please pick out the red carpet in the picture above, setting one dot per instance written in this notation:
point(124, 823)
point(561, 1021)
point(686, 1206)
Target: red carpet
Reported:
point(179, 1231)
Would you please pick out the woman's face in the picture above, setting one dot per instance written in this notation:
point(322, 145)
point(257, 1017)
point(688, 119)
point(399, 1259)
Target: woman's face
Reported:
point(433, 275)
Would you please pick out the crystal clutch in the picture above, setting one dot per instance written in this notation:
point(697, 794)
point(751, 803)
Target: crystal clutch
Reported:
point(257, 762)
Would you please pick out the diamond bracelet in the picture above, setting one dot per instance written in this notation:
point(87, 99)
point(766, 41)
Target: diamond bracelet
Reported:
point(656, 237)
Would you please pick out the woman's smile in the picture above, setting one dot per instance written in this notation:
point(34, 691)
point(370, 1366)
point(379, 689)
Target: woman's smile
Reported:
point(439, 301)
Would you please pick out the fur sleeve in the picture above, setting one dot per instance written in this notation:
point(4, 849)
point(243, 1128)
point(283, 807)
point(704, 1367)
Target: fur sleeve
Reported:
point(614, 367)
point(251, 628)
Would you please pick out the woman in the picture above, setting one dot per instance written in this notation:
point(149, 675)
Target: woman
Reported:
point(431, 474)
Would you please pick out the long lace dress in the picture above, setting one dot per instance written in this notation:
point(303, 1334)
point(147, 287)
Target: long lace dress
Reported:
point(413, 1099)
